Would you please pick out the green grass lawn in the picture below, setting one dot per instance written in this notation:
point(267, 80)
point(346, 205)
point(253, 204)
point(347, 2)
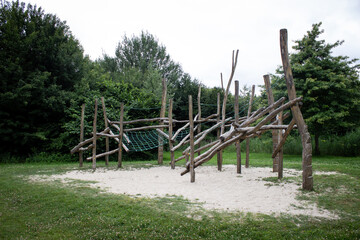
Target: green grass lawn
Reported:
point(51, 210)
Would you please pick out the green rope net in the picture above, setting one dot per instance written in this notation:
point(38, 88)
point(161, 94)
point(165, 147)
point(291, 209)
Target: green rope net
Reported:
point(147, 140)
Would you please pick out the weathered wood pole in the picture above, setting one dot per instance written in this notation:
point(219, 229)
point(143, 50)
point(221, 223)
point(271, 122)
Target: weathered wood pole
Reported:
point(106, 125)
point(191, 120)
point(81, 153)
point(94, 136)
point(236, 110)
point(172, 159)
point(220, 153)
point(162, 115)
point(247, 162)
point(121, 132)
point(303, 130)
point(275, 138)
point(280, 154)
point(199, 116)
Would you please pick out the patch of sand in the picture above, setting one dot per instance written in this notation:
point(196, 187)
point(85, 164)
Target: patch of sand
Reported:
point(225, 190)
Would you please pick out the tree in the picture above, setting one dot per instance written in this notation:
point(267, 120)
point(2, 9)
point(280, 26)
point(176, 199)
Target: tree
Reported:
point(41, 62)
point(142, 53)
point(329, 85)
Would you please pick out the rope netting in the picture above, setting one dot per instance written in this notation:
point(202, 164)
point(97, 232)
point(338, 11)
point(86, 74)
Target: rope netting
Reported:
point(149, 139)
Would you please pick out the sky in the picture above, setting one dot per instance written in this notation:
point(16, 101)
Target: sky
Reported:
point(200, 35)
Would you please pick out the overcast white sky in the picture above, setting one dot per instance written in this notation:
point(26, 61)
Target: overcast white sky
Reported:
point(201, 34)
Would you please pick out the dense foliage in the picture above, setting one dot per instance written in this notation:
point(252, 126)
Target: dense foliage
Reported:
point(41, 61)
point(329, 85)
point(45, 78)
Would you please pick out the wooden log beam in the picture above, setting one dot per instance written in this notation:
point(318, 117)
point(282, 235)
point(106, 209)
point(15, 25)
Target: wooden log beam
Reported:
point(274, 133)
point(81, 154)
point(179, 130)
point(172, 156)
point(285, 135)
point(104, 154)
point(141, 120)
point(89, 140)
point(192, 170)
point(236, 110)
point(94, 137)
point(146, 128)
point(162, 115)
point(199, 113)
point(303, 130)
point(106, 125)
point(247, 161)
point(162, 133)
point(219, 158)
point(121, 131)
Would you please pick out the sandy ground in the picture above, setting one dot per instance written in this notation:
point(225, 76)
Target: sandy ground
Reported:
point(225, 190)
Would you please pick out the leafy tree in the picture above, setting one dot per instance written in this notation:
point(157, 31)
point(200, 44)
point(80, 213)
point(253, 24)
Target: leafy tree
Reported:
point(329, 85)
point(41, 62)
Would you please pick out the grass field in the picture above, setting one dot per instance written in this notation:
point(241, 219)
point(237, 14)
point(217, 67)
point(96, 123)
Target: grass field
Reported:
point(43, 210)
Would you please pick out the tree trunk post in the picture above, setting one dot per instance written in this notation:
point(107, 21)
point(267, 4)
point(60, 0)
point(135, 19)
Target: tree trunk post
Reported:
point(247, 162)
point(121, 132)
point(172, 159)
point(191, 120)
point(236, 110)
point(162, 115)
point(94, 136)
point(270, 97)
point(106, 125)
point(219, 154)
point(280, 154)
point(81, 153)
point(303, 130)
point(199, 116)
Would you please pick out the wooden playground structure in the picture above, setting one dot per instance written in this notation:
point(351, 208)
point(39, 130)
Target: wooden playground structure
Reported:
point(231, 130)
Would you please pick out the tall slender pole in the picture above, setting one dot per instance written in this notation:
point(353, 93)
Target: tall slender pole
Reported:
point(107, 149)
point(236, 109)
point(81, 153)
point(199, 116)
point(303, 130)
point(247, 162)
point(172, 158)
point(121, 132)
point(94, 136)
point(162, 115)
point(280, 154)
point(220, 153)
point(191, 121)
point(270, 97)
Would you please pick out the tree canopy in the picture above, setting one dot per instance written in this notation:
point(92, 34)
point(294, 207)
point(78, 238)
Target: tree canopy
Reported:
point(41, 61)
point(329, 85)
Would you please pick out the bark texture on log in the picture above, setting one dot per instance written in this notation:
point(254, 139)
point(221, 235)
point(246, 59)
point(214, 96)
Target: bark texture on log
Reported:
point(303, 130)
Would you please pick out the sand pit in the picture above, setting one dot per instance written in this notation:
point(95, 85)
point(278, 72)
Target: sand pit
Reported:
point(225, 190)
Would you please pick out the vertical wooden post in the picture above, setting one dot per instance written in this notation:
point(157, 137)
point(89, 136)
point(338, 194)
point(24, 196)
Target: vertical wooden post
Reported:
point(121, 132)
point(191, 121)
point(247, 162)
point(106, 125)
point(172, 159)
point(280, 154)
point(303, 130)
point(81, 153)
point(270, 97)
point(162, 115)
point(94, 136)
point(199, 117)
point(220, 153)
point(236, 110)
